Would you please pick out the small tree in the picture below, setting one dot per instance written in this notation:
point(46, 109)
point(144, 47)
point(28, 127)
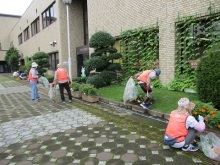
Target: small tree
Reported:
point(27, 65)
point(12, 58)
point(208, 75)
point(102, 59)
point(41, 58)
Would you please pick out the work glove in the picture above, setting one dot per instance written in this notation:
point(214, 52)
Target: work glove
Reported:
point(148, 88)
point(53, 85)
point(201, 118)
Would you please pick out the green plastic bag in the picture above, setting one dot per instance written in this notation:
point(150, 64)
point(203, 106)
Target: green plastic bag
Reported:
point(210, 145)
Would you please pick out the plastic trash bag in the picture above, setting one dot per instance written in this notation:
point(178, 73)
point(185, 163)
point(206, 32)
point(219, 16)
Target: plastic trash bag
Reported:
point(52, 92)
point(131, 91)
point(42, 80)
point(210, 145)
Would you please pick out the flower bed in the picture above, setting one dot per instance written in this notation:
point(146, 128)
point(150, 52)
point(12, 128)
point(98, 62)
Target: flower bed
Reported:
point(89, 98)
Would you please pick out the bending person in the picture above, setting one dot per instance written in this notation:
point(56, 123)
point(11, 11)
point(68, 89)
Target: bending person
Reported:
point(144, 80)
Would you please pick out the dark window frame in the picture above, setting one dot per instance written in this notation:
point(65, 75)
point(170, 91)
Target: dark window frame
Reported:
point(35, 26)
point(49, 16)
point(20, 39)
point(26, 34)
point(53, 60)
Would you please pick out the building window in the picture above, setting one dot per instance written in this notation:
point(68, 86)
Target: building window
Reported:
point(53, 60)
point(49, 16)
point(20, 41)
point(26, 34)
point(35, 26)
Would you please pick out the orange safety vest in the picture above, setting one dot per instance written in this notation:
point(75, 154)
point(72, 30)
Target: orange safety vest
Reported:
point(144, 76)
point(177, 126)
point(30, 76)
point(61, 74)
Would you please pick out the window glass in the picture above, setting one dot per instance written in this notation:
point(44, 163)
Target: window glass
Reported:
point(49, 15)
point(26, 34)
point(53, 60)
point(20, 41)
point(35, 27)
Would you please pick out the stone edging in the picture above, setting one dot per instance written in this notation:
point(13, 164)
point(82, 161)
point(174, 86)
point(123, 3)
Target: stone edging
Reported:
point(135, 108)
point(148, 112)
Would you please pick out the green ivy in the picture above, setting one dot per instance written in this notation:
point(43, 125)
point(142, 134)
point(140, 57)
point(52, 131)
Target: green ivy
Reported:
point(194, 36)
point(140, 50)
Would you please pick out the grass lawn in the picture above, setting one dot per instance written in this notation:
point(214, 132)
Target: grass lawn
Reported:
point(165, 100)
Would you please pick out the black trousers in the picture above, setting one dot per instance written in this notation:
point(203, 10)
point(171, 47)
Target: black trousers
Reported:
point(147, 99)
point(61, 88)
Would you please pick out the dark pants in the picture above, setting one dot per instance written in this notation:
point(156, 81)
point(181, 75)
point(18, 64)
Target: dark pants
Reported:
point(61, 88)
point(148, 98)
point(190, 136)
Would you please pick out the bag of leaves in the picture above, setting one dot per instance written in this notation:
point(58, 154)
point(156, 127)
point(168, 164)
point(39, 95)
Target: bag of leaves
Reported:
point(53, 93)
point(210, 145)
point(43, 80)
point(131, 91)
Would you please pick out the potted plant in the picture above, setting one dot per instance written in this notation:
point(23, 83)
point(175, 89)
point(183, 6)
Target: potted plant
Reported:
point(89, 93)
point(76, 93)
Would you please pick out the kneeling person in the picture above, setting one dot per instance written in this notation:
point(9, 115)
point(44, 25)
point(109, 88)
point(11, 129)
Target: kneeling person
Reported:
point(183, 127)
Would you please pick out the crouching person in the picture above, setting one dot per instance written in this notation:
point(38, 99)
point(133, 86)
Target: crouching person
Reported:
point(182, 127)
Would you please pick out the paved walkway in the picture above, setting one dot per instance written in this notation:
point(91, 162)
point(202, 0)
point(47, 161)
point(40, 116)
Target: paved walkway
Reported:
point(44, 132)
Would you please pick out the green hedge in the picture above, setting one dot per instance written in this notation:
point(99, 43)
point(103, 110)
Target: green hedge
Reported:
point(208, 74)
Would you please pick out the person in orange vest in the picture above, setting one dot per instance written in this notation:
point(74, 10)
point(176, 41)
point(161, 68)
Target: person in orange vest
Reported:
point(182, 126)
point(33, 78)
point(62, 77)
point(144, 80)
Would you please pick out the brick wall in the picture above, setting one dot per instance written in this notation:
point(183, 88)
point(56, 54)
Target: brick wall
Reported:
point(115, 16)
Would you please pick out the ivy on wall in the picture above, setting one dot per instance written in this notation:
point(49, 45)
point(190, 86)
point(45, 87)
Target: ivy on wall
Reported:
point(194, 36)
point(140, 50)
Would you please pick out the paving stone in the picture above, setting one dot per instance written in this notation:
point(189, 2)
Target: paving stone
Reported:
point(129, 157)
point(58, 154)
point(105, 156)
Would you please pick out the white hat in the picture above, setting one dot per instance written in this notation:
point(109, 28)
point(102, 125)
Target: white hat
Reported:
point(34, 65)
point(185, 102)
point(59, 65)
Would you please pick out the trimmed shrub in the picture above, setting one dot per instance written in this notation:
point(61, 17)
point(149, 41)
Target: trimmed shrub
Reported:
point(114, 67)
point(96, 80)
point(108, 76)
point(96, 63)
point(79, 80)
point(208, 77)
point(41, 58)
point(101, 39)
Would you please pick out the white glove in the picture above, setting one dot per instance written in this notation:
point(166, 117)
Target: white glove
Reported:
point(200, 118)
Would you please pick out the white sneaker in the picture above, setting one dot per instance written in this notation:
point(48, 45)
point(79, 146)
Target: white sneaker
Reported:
point(190, 148)
point(144, 106)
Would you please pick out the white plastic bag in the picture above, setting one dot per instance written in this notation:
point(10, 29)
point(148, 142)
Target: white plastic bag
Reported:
point(52, 92)
point(210, 145)
point(43, 80)
point(131, 91)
